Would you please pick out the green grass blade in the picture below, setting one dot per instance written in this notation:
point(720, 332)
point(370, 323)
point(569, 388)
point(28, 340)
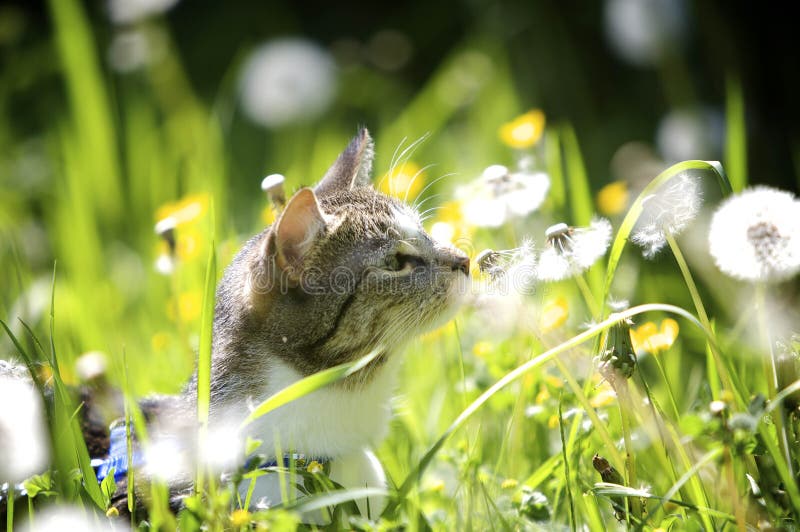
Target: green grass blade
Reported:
point(735, 134)
point(580, 195)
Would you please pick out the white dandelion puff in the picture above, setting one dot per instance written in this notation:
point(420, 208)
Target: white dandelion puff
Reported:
point(510, 270)
point(500, 194)
point(667, 212)
point(755, 235)
point(287, 81)
point(572, 250)
point(130, 11)
point(60, 518)
point(23, 436)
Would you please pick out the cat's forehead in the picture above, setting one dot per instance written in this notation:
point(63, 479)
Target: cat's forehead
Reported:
point(374, 212)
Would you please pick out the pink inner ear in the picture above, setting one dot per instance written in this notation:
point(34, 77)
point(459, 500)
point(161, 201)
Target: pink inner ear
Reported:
point(300, 224)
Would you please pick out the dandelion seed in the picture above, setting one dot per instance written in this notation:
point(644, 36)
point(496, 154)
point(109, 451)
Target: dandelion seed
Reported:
point(500, 194)
point(273, 186)
point(667, 212)
point(23, 437)
point(524, 131)
point(129, 11)
point(755, 235)
point(572, 250)
point(60, 518)
point(287, 81)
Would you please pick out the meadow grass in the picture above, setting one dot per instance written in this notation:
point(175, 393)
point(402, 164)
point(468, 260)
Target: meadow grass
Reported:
point(496, 426)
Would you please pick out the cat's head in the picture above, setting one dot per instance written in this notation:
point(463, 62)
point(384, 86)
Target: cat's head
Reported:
point(345, 270)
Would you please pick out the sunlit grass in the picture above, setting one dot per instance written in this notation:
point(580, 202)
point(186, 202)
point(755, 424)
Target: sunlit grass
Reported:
point(496, 424)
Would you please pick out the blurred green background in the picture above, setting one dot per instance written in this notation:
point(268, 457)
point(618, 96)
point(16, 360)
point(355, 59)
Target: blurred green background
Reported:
point(113, 111)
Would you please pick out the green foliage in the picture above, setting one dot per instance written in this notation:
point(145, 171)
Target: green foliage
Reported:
point(496, 426)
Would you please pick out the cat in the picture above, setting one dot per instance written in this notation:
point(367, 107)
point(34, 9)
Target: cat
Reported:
point(345, 271)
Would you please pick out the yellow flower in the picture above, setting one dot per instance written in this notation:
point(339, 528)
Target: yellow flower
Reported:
point(189, 243)
point(552, 421)
point(436, 486)
point(604, 396)
point(403, 181)
point(613, 198)
point(524, 131)
point(449, 224)
point(159, 341)
point(542, 396)
point(315, 467)
point(186, 307)
point(554, 314)
point(112, 512)
point(482, 349)
point(268, 214)
point(186, 210)
point(652, 339)
point(509, 483)
point(240, 517)
point(553, 381)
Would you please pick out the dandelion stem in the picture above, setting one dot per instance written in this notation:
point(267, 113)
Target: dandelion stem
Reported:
point(588, 296)
point(771, 374)
point(10, 507)
point(625, 409)
point(699, 307)
point(738, 509)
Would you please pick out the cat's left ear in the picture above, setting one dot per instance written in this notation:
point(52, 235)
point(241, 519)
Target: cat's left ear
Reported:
point(353, 167)
point(297, 230)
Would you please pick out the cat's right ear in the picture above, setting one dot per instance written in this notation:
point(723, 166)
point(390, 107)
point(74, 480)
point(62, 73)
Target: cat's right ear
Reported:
point(352, 168)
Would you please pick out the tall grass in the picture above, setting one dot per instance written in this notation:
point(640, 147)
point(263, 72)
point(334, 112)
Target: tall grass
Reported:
point(494, 428)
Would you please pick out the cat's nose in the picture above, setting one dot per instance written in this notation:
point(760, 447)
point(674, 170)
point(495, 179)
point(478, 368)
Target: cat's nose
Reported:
point(461, 262)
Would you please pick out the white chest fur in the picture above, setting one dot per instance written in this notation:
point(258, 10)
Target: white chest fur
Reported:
point(329, 422)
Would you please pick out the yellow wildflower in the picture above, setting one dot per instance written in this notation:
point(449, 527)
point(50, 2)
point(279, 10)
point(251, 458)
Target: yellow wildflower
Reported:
point(186, 307)
point(240, 518)
point(482, 349)
point(604, 396)
point(315, 467)
point(436, 486)
point(613, 198)
point(524, 131)
point(112, 512)
point(188, 244)
point(403, 181)
point(159, 341)
point(553, 381)
point(652, 339)
point(542, 396)
point(509, 483)
point(554, 314)
point(269, 214)
point(449, 224)
point(186, 210)
point(552, 421)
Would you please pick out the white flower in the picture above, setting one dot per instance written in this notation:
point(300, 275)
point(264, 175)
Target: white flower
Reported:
point(286, 81)
point(755, 235)
point(690, 133)
point(643, 32)
point(511, 270)
point(62, 518)
point(24, 449)
point(128, 11)
point(499, 194)
point(572, 250)
point(667, 212)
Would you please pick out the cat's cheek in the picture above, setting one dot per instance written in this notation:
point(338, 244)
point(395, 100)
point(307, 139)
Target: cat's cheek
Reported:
point(459, 292)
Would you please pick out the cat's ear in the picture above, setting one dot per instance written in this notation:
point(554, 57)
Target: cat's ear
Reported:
point(352, 168)
point(299, 226)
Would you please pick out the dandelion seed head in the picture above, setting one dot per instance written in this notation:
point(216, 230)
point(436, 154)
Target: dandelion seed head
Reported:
point(129, 11)
point(755, 236)
point(165, 459)
point(667, 212)
point(500, 194)
point(572, 250)
point(23, 437)
point(286, 81)
point(60, 518)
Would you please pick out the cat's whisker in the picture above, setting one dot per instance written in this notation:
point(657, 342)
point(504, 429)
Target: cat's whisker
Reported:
point(411, 183)
point(429, 185)
point(396, 151)
point(407, 153)
point(426, 200)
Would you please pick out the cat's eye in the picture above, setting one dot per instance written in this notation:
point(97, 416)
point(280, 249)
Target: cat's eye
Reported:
point(398, 262)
